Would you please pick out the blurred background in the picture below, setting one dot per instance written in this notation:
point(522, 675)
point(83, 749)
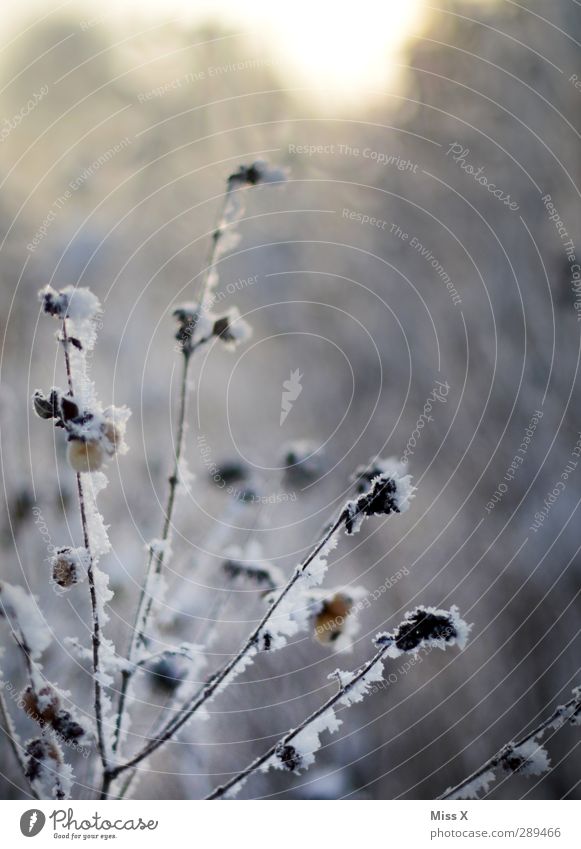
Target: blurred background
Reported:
point(386, 268)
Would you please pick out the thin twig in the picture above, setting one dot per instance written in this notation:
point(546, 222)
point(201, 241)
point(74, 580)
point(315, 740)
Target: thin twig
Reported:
point(155, 561)
point(288, 738)
point(208, 690)
point(96, 635)
point(572, 705)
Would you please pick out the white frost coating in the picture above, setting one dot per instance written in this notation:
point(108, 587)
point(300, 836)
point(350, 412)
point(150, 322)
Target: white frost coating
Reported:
point(78, 304)
point(472, 790)
point(316, 570)
point(233, 210)
point(104, 594)
point(239, 667)
point(82, 310)
point(236, 788)
point(239, 329)
point(83, 305)
point(457, 635)
point(159, 547)
point(359, 690)
point(212, 280)
point(295, 613)
point(25, 617)
point(535, 758)
point(185, 476)
point(385, 472)
point(93, 484)
point(405, 491)
point(110, 661)
point(301, 749)
point(530, 759)
point(49, 775)
point(461, 627)
point(229, 240)
point(308, 741)
point(563, 714)
point(64, 785)
point(118, 418)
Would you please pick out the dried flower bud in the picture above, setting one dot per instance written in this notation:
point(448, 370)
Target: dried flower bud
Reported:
point(54, 303)
point(67, 727)
point(78, 304)
point(331, 619)
point(86, 455)
point(289, 757)
point(364, 476)
point(69, 566)
point(257, 172)
point(38, 752)
point(426, 626)
point(389, 492)
point(231, 329)
point(42, 707)
point(187, 317)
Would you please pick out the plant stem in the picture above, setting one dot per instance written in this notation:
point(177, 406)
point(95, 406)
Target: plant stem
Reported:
point(96, 629)
point(331, 702)
point(155, 562)
point(573, 704)
point(206, 692)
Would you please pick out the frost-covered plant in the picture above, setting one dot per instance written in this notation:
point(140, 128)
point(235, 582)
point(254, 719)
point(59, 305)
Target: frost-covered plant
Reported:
point(526, 756)
point(422, 628)
point(292, 605)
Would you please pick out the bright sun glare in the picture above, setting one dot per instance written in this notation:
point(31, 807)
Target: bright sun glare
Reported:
point(334, 49)
point(337, 51)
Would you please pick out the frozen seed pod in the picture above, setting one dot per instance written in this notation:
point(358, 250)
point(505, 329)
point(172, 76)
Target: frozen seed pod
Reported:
point(38, 753)
point(86, 455)
point(331, 619)
point(43, 706)
point(69, 566)
point(67, 727)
